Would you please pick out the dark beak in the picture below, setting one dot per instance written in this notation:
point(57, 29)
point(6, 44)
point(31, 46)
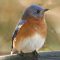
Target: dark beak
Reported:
point(46, 10)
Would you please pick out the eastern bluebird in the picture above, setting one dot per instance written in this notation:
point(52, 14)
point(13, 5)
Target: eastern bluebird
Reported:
point(30, 33)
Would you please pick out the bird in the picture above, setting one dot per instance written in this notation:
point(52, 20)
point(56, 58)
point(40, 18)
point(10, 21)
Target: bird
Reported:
point(31, 31)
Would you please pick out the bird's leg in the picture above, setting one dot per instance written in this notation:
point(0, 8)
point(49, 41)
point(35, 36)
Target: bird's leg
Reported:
point(35, 53)
point(14, 51)
point(21, 53)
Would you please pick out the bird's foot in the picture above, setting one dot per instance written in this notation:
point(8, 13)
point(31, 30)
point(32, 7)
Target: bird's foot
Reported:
point(35, 53)
point(14, 51)
point(21, 53)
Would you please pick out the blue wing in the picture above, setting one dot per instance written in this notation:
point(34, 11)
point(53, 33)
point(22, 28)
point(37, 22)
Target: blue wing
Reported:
point(20, 23)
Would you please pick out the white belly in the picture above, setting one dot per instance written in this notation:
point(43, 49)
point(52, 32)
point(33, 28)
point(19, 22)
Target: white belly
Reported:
point(31, 43)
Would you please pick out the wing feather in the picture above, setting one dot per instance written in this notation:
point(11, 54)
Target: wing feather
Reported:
point(19, 25)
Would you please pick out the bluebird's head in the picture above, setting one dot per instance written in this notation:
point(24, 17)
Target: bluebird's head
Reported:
point(35, 11)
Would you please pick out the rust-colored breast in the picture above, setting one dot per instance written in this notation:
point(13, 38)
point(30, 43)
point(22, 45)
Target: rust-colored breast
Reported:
point(31, 27)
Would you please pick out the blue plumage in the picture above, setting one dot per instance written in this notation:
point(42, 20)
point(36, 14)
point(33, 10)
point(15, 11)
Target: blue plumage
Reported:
point(35, 11)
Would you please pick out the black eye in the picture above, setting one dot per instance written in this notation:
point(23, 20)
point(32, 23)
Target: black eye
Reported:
point(38, 11)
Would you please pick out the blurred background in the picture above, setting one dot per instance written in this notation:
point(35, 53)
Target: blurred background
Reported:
point(12, 10)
